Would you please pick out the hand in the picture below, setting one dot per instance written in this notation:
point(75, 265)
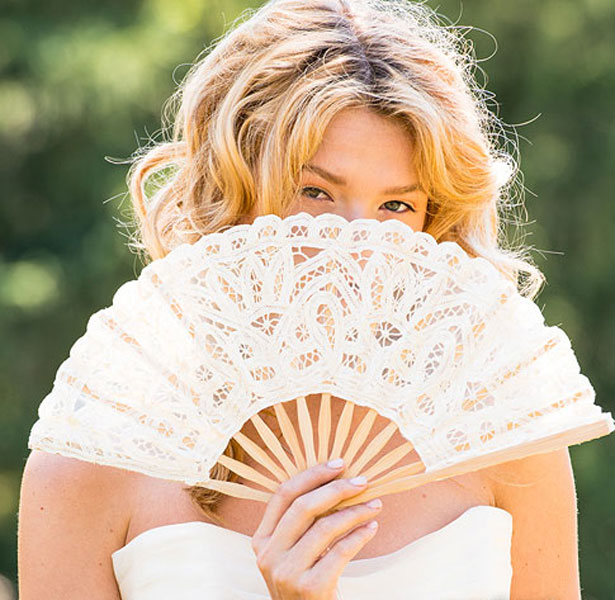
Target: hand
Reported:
point(291, 541)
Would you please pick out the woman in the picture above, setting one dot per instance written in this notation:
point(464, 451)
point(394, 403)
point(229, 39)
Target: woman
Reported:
point(366, 109)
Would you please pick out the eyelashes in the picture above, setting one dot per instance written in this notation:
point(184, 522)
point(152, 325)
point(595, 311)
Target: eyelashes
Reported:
point(312, 192)
point(305, 191)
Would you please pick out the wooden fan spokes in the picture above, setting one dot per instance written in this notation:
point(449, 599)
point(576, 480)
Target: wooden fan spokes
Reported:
point(401, 478)
point(360, 458)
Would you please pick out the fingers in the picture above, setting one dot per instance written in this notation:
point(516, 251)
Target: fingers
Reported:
point(326, 532)
point(301, 483)
point(299, 524)
point(333, 563)
point(306, 509)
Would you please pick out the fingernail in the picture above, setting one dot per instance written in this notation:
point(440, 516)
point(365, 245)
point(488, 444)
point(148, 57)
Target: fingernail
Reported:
point(360, 480)
point(377, 503)
point(335, 464)
point(372, 524)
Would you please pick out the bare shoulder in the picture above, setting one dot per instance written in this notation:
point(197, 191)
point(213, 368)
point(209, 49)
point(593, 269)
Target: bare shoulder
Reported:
point(72, 485)
point(55, 467)
point(539, 492)
point(72, 515)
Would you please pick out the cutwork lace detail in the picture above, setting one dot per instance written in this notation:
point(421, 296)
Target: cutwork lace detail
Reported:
point(372, 312)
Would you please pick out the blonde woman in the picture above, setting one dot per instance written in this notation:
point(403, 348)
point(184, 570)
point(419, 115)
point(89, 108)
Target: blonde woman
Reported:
point(365, 109)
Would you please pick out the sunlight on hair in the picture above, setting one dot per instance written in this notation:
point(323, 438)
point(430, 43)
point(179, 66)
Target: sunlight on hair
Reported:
point(254, 106)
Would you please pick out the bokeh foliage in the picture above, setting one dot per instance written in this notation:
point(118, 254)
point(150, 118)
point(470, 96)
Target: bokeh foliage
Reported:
point(82, 81)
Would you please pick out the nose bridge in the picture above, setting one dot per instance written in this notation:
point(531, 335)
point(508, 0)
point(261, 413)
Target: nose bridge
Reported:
point(357, 208)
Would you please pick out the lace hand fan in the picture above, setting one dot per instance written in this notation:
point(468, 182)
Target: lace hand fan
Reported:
point(438, 344)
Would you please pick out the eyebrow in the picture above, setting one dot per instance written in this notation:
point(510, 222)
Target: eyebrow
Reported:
point(337, 180)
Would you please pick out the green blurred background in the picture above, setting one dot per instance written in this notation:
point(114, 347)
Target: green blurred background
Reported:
point(82, 80)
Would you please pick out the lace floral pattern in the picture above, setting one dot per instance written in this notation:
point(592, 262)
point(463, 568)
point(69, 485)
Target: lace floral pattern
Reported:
point(372, 312)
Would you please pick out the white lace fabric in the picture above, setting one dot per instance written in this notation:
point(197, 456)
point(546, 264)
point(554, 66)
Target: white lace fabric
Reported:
point(436, 341)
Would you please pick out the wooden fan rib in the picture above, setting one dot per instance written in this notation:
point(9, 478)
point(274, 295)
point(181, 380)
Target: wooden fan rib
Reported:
point(290, 436)
point(248, 472)
point(360, 435)
point(550, 443)
point(259, 455)
point(372, 449)
point(389, 459)
point(273, 444)
point(237, 490)
point(403, 471)
point(306, 430)
point(324, 427)
point(342, 429)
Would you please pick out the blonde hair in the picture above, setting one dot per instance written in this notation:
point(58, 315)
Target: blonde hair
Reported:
point(253, 110)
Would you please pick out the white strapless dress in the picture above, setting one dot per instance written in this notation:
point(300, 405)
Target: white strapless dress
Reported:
point(467, 559)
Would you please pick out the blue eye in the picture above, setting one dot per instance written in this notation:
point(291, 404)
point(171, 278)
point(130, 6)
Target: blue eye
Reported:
point(314, 193)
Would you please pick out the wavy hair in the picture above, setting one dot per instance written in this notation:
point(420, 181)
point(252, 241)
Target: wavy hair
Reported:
point(253, 109)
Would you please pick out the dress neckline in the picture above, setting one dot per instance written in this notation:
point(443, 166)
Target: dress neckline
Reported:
point(359, 564)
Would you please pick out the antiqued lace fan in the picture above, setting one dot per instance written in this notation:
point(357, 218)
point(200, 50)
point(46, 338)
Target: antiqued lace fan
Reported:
point(263, 316)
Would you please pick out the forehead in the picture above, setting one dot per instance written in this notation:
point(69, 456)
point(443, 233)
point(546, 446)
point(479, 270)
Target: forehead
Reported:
point(364, 143)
